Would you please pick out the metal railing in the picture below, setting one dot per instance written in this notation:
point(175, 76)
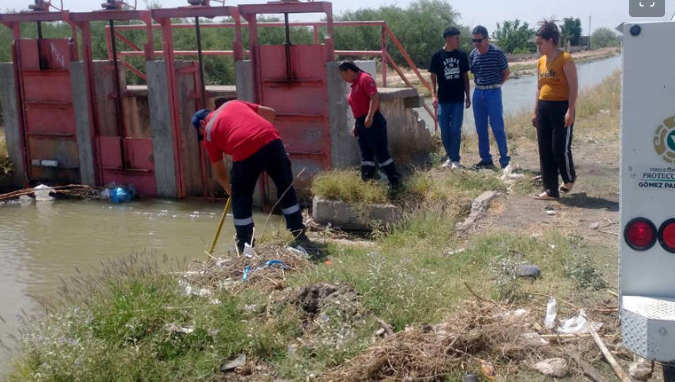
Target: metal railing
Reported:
point(384, 56)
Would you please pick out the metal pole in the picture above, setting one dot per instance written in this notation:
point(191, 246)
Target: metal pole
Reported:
point(39, 48)
point(202, 86)
point(287, 45)
point(118, 94)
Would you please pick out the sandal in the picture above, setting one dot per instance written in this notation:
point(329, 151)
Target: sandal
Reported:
point(545, 196)
point(567, 188)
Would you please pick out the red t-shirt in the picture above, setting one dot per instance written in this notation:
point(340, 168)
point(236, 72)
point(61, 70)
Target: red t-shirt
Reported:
point(363, 88)
point(237, 130)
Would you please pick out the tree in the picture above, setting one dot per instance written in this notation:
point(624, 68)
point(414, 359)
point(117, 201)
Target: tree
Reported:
point(571, 30)
point(419, 28)
point(604, 37)
point(514, 37)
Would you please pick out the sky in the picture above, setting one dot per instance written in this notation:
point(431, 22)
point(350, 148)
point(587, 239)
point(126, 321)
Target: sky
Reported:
point(604, 13)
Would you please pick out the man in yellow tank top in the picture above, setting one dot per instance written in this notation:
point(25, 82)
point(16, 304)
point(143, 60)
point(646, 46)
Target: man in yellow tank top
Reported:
point(554, 110)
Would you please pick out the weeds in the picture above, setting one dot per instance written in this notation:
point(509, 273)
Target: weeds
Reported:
point(581, 268)
point(348, 187)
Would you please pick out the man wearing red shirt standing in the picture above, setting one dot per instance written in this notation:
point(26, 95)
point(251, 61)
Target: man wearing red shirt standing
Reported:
point(370, 126)
point(245, 131)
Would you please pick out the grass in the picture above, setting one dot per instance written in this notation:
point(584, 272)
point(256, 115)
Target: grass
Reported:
point(348, 187)
point(121, 324)
point(117, 325)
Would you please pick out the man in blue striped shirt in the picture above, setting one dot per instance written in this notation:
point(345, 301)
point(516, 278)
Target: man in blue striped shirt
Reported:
point(491, 70)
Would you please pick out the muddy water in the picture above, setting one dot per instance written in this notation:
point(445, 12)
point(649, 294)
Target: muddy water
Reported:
point(42, 243)
point(518, 93)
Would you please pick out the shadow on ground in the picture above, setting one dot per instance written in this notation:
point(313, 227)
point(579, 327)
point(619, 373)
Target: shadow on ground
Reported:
point(582, 200)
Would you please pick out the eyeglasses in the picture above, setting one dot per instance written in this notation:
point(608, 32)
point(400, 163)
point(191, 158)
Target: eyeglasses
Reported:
point(478, 40)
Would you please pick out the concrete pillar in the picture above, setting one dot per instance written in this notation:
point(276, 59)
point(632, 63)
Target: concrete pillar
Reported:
point(344, 148)
point(244, 80)
point(160, 126)
point(82, 123)
point(10, 114)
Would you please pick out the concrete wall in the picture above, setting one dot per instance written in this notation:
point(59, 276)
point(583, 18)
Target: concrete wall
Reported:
point(11, 123)
point(161, 131)
point(82, 123)
point(344, 147)
point(409, 138)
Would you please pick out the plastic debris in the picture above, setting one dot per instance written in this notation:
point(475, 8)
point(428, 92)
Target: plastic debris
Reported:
point(42, 193)
point(25, 200)
point(249, 253)
point(298, 250)
point(173, 328)
point(455, 252)
point(488, 370)
point(270, 264)
point(549, 320)
point(577, 325)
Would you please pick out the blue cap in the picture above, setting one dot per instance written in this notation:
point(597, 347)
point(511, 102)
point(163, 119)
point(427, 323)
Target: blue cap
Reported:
point(198, 117)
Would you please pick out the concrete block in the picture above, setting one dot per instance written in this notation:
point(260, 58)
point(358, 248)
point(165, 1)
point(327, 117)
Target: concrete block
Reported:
point(83, 123)
point(354, 217)
point(10, 114)
point(344, 148)
point(161, 131)
point(479, 207)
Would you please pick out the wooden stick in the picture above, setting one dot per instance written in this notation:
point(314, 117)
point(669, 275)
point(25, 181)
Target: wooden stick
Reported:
point(479, 297)
point(588, 369)
point(384, 326)
point(620, 373)
point(563, 336)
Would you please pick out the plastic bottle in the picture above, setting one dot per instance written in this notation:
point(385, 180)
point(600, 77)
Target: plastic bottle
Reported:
point(120, 195)
point(549, 320)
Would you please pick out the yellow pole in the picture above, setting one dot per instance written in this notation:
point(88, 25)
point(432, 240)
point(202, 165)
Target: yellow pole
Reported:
point(220, 224)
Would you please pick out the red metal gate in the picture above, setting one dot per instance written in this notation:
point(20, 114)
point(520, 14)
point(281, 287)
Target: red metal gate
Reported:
point(300, 98)
point(49, 131)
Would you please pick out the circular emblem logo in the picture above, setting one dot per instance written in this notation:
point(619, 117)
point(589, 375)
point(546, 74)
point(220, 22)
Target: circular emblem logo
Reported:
point(664, 140)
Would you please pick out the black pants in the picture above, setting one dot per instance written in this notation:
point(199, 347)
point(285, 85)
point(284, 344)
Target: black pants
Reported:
point(272, 159)
point(555, 145)
point(373, 144)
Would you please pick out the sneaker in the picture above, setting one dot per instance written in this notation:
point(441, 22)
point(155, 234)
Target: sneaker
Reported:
point(484, 165)
point(446, 164)
point(455, 166)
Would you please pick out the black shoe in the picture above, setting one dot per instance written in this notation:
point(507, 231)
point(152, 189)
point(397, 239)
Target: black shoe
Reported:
point(484, 165)
point(303, 241)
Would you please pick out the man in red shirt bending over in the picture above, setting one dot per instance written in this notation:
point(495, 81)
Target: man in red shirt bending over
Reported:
point(245, 131)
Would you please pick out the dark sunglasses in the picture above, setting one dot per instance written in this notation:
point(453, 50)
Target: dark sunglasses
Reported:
point(478, 40)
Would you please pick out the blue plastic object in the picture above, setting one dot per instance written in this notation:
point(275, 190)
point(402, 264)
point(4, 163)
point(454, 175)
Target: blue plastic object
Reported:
point(120, 195)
